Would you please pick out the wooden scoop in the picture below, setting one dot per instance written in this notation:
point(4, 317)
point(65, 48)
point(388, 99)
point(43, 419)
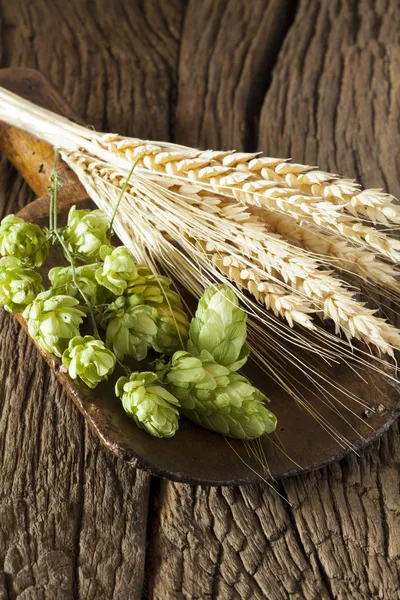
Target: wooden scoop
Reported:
point(194, 455)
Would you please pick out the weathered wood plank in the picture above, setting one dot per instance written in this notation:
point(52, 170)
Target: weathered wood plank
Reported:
point(227, 51)
point(72, 518)
point(332, 102)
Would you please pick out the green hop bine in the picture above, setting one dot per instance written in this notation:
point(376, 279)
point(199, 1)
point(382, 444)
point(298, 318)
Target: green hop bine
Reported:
point(88, 359)
point(22, 240)
point(118, 272)
point(219, 327)
point(86, 233)
point(130, 327)
point(53, 321)
point(151, 406)
point(62, 280)
point(214, 397)
point(19, 285)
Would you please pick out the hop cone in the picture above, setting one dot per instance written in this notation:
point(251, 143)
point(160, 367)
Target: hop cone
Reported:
point(154, 289)
point(216, 398)
point(88, 359)
point(151, 406)
point(53, 321)
point(130, 327)
point(219, 327)
point(119, 272)
point(62, 280)
point(172, 323)
point(22, 240)
point(19, 285)
point(172, 330)
point(86, 232)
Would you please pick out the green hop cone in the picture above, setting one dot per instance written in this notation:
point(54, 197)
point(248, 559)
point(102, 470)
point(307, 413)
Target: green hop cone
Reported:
point(151, 406)
point(53, 321)
point(118, 271)
point(172, 322)
point(88, 359)
point(86, 232)
point(219, 327)
point(154, 289)
point(22, 240)
point(214, 397)
point(62, 280)
point(19, 285)
point(130, 327)
point(172, 330)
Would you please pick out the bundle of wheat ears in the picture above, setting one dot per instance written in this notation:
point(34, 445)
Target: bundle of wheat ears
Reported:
point(296, 243)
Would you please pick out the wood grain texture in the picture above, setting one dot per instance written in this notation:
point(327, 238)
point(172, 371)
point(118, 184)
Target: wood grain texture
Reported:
point(226, 56)
point(332, 101)
point(321, 79)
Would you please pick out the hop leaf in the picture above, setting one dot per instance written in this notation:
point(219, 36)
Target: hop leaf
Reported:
point(151, 406)
point(25, 241)
point(118, 272)
point(53, 321)
point(88, 359)
point(211, 395)
point(86, 232)
point(172, 330)
point(130, 327)
point(19, 285)
point(62, 280)
point(219, 327)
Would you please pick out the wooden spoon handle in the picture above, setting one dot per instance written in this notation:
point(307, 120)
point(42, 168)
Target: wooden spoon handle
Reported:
point(32, 157)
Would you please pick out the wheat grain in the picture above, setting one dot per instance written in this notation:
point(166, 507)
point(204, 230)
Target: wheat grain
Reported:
point(337, 251)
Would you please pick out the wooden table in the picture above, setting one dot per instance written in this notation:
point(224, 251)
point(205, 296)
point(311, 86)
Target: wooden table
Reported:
point(317, 80)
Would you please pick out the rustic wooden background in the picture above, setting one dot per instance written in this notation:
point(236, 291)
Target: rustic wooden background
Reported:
point(317, 80)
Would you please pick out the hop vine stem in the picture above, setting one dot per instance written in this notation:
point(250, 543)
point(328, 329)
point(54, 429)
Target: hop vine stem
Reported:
point(53, 214)
point(110, 229)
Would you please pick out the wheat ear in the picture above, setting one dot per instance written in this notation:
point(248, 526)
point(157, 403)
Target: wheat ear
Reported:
point(337, 250)
point(325, 247)
point(328, 297)
point(372, 204)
